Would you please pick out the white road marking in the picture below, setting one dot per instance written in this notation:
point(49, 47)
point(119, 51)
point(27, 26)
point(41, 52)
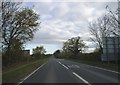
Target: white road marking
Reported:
point(65, 66)
point(81, 78)
point(31, 73)
point(59, 62)
point(103, 69)
point(73, 66)
point(99, 68)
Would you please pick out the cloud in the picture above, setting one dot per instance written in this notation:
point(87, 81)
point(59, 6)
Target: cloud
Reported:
point(56, 31)
point(62, 20)
point(67, 0)
point(57, 9)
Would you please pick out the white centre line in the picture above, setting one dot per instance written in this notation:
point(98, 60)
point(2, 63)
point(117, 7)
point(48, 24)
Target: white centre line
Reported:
point(59, 62)
point(65, 66)
point(81, 78)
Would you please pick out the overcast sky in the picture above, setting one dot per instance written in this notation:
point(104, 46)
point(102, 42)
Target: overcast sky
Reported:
point(63, 20)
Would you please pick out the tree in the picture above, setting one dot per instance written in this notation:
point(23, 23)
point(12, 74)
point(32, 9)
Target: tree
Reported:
point(106, 26)
point(39, 50)
point(74, 45)
point(17, 23)
point(18, 27)
point(115, 20)
point(57, 53)
point(100, 28)
point(15, 53)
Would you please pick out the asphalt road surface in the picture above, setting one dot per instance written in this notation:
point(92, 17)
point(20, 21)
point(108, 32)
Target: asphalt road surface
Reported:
point(65, 71)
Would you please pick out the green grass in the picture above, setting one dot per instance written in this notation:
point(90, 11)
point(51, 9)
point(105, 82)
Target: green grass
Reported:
point(110, 66)
point(15, 74)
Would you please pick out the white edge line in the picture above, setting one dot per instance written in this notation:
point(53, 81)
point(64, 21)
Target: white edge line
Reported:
point(31, 73)
point(100, 68)
point(108, 70)
point(65, 66)
point(103, 69)
point(81, 78)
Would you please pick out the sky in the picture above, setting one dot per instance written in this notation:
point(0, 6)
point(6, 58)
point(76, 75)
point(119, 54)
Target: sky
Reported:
point(62, 20)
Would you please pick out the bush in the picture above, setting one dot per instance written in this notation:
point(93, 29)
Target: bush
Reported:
point(90, 56)
point(96, 56)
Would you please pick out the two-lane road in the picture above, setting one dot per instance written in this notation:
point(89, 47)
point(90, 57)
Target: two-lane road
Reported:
point(64, 71)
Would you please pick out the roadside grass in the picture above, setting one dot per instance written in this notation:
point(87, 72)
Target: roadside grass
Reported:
point(110, 66)
point(15, 74)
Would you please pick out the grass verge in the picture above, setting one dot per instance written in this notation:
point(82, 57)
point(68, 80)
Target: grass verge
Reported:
point(17, 73)
point(110, 66)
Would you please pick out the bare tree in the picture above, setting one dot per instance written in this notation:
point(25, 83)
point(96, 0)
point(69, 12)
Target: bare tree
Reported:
point(114, 20)
point(99, 29)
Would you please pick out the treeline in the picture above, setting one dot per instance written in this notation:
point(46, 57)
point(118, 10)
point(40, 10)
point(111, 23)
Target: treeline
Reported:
point(39, 52)
point(75, 48)
point(71, 48)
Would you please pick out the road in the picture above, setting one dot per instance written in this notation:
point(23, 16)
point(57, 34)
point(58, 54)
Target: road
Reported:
point(65, 71)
